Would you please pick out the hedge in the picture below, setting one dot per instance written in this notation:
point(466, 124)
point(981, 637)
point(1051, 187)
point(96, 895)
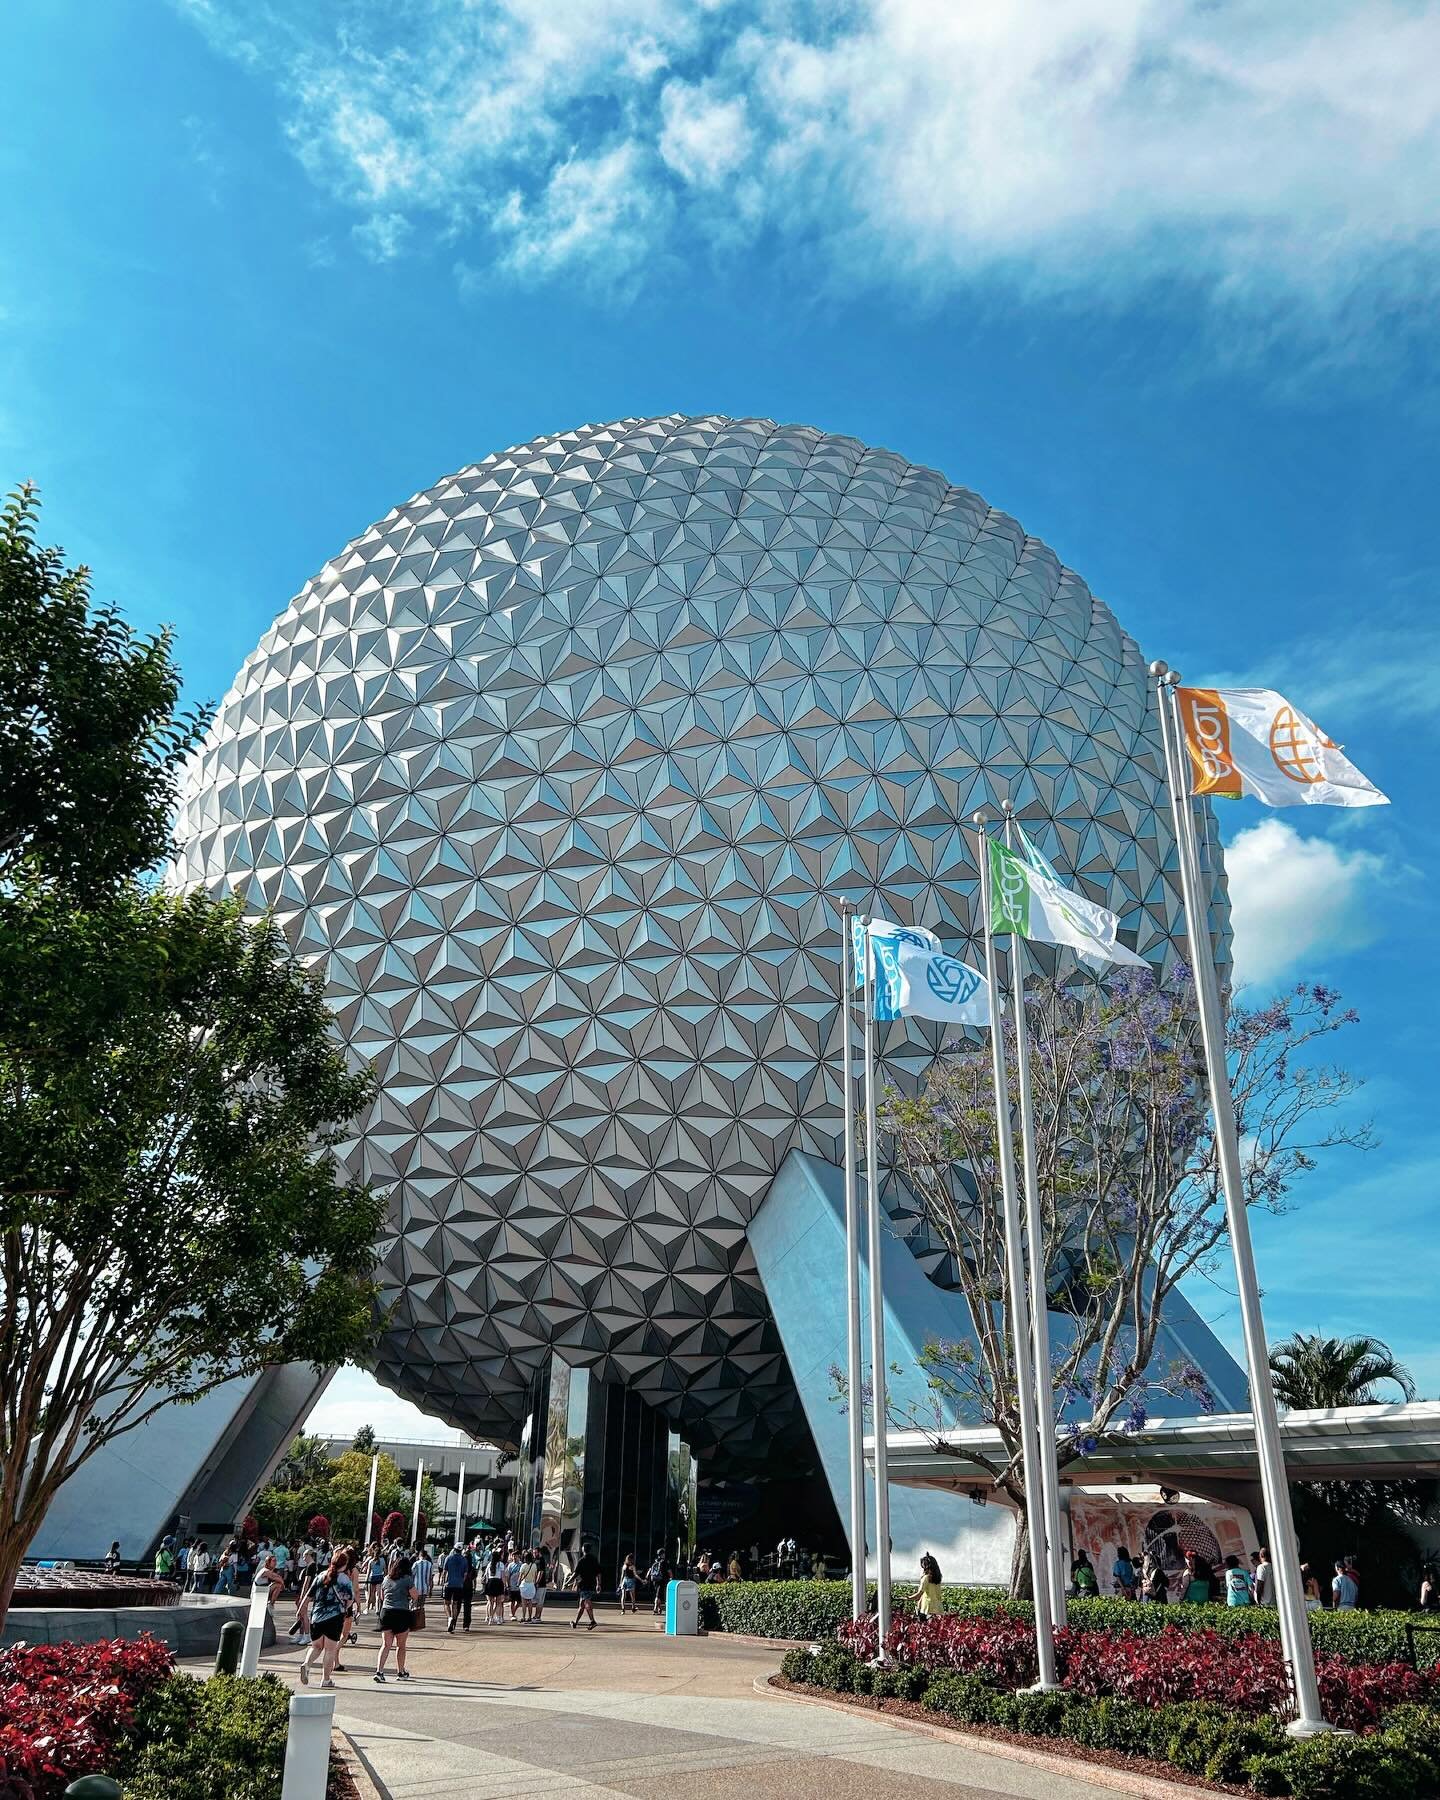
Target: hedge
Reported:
point(221, 1739)
point(816, 1609)
point(1400, 1761)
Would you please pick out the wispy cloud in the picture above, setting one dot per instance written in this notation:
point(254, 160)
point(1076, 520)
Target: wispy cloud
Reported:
point(1280, 157)
point(1294, 898)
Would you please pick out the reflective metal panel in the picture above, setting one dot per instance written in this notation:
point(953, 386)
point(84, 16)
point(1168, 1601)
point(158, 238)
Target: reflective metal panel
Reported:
point(559, 773)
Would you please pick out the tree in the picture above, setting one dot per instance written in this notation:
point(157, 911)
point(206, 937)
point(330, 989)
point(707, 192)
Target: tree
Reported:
point(1311, 1371)
point(1346, 1518)
point(364, 1439)
point(90, 740)
point(171, 1213)
point(1129, 1186)
point(307, 1459)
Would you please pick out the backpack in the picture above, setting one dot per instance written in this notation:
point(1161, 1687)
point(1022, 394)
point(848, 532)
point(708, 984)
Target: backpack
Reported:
point(1085, 1582)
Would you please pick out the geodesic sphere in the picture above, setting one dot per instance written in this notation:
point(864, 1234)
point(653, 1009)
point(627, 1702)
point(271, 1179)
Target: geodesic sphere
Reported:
point(559, 772)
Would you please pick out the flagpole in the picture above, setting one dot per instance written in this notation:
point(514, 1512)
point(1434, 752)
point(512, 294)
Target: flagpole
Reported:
point(370, 1503)
point(1015, 1290)
point(460, 1506)
point(415, 1518)
point(877, 1316)
point(854, 1369)
point(1039, 1293)
point(1279, 1519)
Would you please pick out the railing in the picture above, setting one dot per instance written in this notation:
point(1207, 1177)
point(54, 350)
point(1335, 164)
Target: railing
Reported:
point(1410, 1630)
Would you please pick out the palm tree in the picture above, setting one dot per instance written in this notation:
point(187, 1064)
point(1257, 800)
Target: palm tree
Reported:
point(1311, 1371)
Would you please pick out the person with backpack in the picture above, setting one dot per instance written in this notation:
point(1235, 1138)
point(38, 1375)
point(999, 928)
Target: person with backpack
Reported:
point(331, 1596)
point(1154, 1579)
point(659, 1577)
point(1083, 1578)
point(1238, 1591)
point(1123, 1575)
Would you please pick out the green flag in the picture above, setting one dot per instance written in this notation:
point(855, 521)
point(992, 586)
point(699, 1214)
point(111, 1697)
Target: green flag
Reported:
point(1029, 902)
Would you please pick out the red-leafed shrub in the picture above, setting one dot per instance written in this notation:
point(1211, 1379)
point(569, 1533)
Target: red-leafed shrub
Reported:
point(1245, 1675)
point(250, 1527)
point(393, 1529)
point(319, 1526)
point(62, 1707)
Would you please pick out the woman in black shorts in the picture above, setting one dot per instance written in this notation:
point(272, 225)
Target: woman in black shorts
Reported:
point(495, 1589)
point(397, 1616)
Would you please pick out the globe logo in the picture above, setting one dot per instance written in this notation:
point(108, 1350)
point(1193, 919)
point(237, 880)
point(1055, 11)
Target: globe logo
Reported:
point(951, 982)
point(1294, 746)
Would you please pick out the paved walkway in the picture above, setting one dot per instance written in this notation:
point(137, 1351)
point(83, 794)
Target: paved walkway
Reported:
point(624, 1711)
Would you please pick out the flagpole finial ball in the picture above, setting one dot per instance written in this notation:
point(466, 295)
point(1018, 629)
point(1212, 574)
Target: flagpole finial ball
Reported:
point(1173, 678)
point(1007, 807)
point(979, 817)
point(1159, 670)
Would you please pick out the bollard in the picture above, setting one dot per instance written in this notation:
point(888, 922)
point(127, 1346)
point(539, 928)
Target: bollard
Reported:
point(227, 1651)
point(255, 1631)
point(307, 1747)
point(94, 1787)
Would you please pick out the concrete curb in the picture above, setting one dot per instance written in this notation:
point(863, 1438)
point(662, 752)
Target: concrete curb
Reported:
point(1121, 1781)
point(355, 1763)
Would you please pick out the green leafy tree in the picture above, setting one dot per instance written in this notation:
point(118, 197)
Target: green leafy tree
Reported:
point(171, 1212)
point(364, 1439)
point(90, 739)
point(1312, 1371)
point(1131, 1201)
point(307, 1459)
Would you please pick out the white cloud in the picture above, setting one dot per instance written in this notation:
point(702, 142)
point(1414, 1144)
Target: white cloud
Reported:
point(1280, 155)
point(1293, 898)
point(703, 138)
point(382, 236)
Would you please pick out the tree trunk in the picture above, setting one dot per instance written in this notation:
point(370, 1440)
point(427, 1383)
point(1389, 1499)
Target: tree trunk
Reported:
point(1021, 1586)
point(12, 1549)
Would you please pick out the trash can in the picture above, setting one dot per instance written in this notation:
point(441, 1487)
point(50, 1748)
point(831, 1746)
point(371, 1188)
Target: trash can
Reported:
point(682, 1609)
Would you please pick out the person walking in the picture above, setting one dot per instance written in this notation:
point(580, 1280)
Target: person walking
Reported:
point(542, 1583)
point(165, 1560)
point(422, 1578)
point(1344, 1589)
point(456, 1570)
point(1155, 1583)
point(330, 1595)
point(375, 1560)
point(1083, 1578)
point(660, 1577)
point(1262, 1579)
point(587, 1582)
point(928, 1601)
point(200, 1560)
point(225, 1571)
point(397, 1617)
point(512, 1581)
point(629, 1584)
point(1123, 1575)
point(1238, 1587)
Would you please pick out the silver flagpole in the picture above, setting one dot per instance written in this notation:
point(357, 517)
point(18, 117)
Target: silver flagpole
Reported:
point(1279, 1520)
point(460, 1506)
point(1039, 1293)
point(854, 1369)
point(370, 1504)
point(1015, 1291)
point(877, 1314)
point(415, 1516)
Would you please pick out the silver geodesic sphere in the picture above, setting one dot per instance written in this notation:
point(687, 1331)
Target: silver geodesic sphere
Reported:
point(559, 772)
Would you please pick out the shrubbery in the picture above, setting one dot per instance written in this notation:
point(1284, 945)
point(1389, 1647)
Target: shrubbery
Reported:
point(1234, 1734)
point(817, 1609)
point(118, 1707)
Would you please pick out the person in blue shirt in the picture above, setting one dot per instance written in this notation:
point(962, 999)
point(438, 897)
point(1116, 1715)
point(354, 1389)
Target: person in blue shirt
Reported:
point(1238, 1591)
point(1345, 1589)
point(457, 1572)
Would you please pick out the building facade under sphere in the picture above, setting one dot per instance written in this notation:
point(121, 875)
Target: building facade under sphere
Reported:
point(560, 772)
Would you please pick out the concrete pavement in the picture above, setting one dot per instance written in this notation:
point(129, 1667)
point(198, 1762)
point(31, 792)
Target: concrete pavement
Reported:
point(518, 1710)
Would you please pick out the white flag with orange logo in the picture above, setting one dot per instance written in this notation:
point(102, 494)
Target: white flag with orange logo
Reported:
point(1253, 741)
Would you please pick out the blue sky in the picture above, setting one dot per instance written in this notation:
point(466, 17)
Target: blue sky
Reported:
point(1159, 278)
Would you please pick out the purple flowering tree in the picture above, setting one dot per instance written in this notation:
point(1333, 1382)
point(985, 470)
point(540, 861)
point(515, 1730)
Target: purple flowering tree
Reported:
point(1129, 1189)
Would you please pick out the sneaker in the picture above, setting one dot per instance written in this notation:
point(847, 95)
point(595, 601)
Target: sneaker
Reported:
point(304, 1675)
point(451, 1628)
point(378, 1676)
point(327, 1682)
point(402, 1674)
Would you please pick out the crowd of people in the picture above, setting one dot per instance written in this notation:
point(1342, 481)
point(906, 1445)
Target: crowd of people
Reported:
point(1151, 1580)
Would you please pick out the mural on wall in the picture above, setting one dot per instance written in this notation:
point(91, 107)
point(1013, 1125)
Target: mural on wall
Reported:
point(1102, 1521)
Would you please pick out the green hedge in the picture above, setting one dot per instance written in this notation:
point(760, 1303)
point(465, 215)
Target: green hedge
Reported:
point(221, 1739)
point(814, 1609)
point(1399, 1762)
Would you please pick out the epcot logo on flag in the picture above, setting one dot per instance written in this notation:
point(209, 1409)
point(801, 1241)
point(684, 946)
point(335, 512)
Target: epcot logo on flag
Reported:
point(950, 981)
